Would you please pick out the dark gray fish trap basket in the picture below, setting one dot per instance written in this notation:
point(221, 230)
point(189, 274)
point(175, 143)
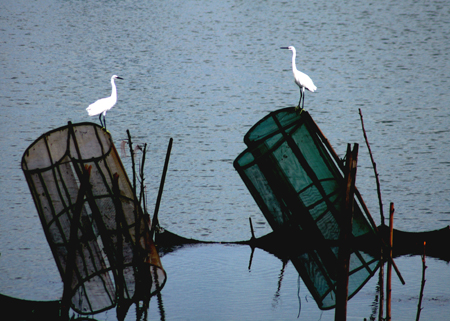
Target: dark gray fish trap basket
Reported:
point(297, 181)
point(93, 224)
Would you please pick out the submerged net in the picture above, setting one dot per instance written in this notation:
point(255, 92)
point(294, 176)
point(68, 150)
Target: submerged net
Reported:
point(296, 180)
point(97, 232)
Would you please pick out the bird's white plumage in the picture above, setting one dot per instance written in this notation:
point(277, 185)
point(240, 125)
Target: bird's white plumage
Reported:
point(301, 79)
point(101, 106)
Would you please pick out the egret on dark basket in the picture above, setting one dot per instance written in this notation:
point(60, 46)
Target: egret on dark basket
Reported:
point(101, 106)
point(301, 79)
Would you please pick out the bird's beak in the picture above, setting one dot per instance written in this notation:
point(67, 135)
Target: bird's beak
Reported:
point(119, 78)
point(284, 48)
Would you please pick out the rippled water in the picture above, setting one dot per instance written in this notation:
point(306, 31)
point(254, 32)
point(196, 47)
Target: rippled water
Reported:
point(203, 72)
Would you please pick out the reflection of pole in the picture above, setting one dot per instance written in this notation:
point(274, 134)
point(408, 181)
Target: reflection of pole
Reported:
point(381, 283)
point(422, 286)
point(389, 264)
point(346, 230)
point(252, 243)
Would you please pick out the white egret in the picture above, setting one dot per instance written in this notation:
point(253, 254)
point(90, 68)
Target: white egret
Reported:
point(101, 106)
point(301, 79)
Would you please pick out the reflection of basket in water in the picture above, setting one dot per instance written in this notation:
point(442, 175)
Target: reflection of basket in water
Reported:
point(91, 218)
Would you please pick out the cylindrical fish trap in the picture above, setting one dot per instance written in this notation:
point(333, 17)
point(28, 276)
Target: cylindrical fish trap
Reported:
point(297, 182)
point(91, 218)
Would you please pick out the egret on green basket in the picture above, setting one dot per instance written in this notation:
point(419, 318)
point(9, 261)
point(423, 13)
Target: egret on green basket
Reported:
point(301, 79)
point(101, 106)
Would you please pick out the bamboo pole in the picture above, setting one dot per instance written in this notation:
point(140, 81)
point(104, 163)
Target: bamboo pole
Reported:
point(346, 230)
point(161, 187)
point(141, 200)
point(251, 229)
point(389, 265)
point(374, 168)
point(381, 282)
point(130, 144)
point(142, 179)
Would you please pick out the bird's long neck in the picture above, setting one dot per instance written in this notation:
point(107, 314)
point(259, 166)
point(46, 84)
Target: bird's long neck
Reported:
point(294, 67)
point(113, 90)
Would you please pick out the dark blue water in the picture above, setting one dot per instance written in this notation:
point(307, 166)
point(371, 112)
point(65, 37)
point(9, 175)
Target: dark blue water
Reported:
point(203, 72)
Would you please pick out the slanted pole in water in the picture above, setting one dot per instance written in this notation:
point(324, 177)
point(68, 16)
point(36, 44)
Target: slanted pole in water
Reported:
point(346, 230)
point(161, 187)
point(374, 165)
point(389, 266)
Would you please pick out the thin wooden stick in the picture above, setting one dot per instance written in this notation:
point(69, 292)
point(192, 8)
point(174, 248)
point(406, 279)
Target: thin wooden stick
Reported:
point(161, 187)
point(374, 168)
point(142, 179)
point(137, 229)
point(251, 228)
point(381, 282)
point(130, 144)
point(389, 267)
point(422, 287)
point(346, 230)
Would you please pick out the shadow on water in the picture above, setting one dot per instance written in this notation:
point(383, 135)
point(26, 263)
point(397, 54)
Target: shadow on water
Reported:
point(407, 244)
point(170, 243)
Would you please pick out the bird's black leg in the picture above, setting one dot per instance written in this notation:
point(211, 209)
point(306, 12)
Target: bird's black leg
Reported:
point(100, 117)
point(300, 101)
point(303, 104)
point(303, 98)
point(104, 120)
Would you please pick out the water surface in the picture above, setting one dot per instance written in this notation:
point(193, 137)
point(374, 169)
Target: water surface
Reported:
point(203, 72)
